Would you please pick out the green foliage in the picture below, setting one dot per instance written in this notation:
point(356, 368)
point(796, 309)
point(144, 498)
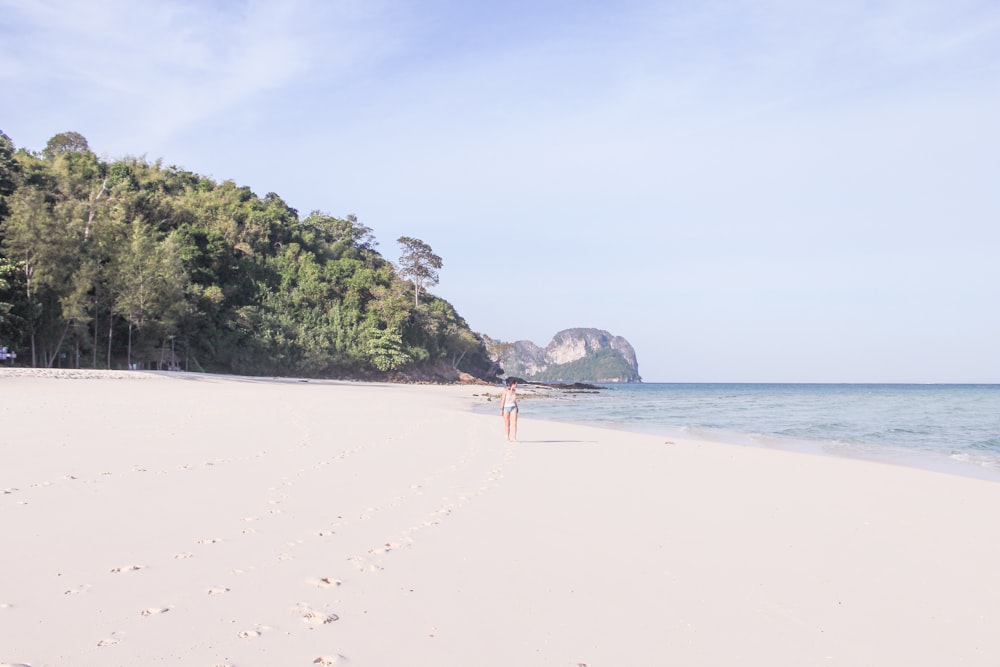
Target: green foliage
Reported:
point(13, 303)
point(9, 171)
point(66, 142)
point(120, 262)
point(385, 349)
point(418, 263)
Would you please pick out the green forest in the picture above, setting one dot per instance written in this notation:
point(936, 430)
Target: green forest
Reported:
point(131, 264)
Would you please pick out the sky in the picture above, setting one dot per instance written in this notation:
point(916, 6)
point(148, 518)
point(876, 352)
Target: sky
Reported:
point(746, 190)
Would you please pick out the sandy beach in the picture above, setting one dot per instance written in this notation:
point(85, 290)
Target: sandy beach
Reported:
point(218, 521)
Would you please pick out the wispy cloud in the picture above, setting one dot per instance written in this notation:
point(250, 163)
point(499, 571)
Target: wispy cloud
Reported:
point(162, 68)
point(739, 141)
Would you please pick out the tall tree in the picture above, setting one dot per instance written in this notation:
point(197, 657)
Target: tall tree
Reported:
point(44, 248)
point(13, 303)
point(66, 142)
point(9, 170)
point(418, 263)
point(150, 284)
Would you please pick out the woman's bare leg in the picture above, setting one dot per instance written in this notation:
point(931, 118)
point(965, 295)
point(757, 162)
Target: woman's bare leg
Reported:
point(513, 425)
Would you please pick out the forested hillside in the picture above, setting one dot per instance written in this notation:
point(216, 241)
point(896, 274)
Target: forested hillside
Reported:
point(132, 264)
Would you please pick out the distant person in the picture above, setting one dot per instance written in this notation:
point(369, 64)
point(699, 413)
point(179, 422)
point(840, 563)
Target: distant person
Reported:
point(508, 409)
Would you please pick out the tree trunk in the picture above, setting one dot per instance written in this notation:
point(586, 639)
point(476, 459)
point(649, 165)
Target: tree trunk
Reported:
point(93, 209)
point(55, 353)
point(111, 330)
point(97, 322)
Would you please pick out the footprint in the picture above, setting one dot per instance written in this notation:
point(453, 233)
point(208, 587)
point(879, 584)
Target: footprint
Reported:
point(328, 659)
point(389, 546)
point(154, 611)
point(183, 556)
point(327, 582)
point(312, 617)
point(79, 589)
point(213, 540)
point(370, 567)
point(217, 591)
point(111, 641)
point(126, 568)
point(253, 634)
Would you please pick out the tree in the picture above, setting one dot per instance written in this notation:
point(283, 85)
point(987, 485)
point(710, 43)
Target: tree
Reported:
point(418, 263)
point(150, 284)
point(43, 247)
point(49, 218)
point(461, 341)
point(66, 142)
point(13, 302)
point(9, 170)
point(385, 350)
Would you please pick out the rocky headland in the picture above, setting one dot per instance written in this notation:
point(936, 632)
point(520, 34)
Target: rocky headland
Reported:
point(573, 355)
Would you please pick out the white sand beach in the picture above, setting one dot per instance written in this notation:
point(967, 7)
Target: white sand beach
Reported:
point(206, 521)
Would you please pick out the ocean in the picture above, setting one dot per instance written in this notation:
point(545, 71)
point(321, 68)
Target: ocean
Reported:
point(947, 428)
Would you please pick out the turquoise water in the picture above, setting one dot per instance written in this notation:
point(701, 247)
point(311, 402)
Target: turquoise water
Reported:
point(949, 428)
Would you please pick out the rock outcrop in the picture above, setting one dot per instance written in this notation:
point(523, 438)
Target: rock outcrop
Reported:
point(574, 355)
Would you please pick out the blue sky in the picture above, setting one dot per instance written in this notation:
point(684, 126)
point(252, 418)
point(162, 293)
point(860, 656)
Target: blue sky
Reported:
point(751, 190)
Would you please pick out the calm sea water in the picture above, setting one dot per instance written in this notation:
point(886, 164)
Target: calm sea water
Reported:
point(949, 428)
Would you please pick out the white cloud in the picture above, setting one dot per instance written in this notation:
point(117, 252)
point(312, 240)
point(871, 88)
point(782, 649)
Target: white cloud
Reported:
point(151, 71)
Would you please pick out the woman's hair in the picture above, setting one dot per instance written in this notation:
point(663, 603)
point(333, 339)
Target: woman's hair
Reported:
point(511, 381)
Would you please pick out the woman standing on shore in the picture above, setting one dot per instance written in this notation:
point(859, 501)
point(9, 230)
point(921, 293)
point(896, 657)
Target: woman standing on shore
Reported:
point(508, 409)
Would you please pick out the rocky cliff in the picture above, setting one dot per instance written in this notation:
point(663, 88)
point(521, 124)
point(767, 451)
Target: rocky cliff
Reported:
point(574, 355)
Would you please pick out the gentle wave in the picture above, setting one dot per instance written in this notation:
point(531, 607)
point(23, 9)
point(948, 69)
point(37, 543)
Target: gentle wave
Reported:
point(950, 428)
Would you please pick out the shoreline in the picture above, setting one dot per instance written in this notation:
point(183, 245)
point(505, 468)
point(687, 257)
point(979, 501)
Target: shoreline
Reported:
point(917, 460)
point(953, 461)
point(239, 522)
point(885, 455)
